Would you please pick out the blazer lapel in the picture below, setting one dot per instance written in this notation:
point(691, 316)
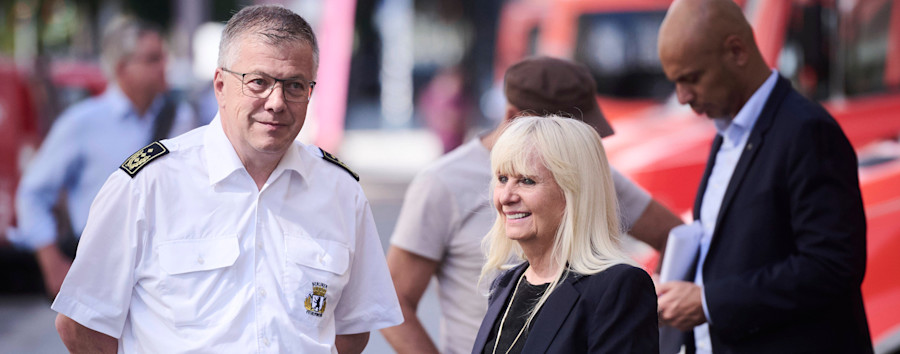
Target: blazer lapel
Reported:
point(552, 316)
point(754, 143)
point(493, 311)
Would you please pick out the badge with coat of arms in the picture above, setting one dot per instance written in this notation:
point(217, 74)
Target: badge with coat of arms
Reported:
point(315, 301)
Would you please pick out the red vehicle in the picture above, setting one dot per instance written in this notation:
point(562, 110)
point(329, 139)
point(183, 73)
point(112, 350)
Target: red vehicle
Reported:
point(18, 141)
point(76, 80)
point(18, 136)
point(846, 54)
point(616, 39)
point(26, 111)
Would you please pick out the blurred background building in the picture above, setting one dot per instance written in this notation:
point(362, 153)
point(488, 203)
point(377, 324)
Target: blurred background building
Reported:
point(402, 81)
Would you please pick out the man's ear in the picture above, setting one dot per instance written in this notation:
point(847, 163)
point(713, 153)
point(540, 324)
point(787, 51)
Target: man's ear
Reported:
point(219, 85)
point(119, 69)
point(511, 113)
point(736, 50)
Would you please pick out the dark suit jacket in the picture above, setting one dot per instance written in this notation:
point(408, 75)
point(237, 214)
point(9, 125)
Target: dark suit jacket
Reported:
point(788, 253)
point(613, 311)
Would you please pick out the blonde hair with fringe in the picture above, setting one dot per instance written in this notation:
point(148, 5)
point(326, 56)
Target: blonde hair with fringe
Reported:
point(587, 239)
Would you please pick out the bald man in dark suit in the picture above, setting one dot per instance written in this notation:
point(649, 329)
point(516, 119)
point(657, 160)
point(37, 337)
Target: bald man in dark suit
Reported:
point(783, 247)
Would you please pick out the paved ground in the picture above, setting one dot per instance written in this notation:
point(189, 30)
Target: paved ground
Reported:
point(385, 161)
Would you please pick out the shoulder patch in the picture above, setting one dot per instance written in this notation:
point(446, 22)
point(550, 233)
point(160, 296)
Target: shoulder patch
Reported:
point(142, 157)
point(330, 158)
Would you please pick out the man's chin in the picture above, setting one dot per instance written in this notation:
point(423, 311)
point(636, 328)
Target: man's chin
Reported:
point(272, 147)
point(707, 114)
point(699, 111)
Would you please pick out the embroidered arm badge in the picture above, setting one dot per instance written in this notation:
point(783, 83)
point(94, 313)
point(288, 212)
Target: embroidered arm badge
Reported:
point(330, 158)
point(142, 157)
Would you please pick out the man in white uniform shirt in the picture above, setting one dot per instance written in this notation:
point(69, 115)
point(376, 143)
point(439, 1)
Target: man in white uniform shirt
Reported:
point(447, 210)
point(233, 237)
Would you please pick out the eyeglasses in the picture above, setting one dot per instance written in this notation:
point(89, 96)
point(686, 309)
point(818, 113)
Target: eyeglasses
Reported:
point(260, 85)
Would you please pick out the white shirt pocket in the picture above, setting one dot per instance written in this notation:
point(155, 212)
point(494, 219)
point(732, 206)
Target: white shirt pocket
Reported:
point(315, 273)
point(199, 281)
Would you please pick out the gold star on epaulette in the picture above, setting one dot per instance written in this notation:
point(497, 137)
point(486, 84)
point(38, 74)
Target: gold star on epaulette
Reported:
point(142, 157)
point(330, 158)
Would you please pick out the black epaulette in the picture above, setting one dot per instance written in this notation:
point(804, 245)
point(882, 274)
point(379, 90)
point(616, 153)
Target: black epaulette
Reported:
point(330, 158)
point(142, 158)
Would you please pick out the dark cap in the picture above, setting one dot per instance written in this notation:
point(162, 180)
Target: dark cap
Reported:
point(547, 85)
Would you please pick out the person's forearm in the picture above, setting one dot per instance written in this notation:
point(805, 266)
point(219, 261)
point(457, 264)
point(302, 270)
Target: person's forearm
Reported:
point(351, 343)
point(54, 267)
point(410, 336)
point(411, 274)
point(80, 339)
point(654, 225)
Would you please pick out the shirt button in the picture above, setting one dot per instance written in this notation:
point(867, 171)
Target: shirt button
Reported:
point(200, 260)
point(266, 341)
point(262, 292)
point(321, 258)
point(259, 244)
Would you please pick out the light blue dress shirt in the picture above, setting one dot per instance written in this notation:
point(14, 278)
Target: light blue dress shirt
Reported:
point(734, 140)
point(85, 145)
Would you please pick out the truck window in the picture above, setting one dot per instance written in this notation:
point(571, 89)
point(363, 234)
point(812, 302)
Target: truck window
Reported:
point(620, 50)
point(808, 50)
point(533, 36)
point(866, 34)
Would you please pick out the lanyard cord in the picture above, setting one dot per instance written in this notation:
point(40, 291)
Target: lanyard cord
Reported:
point(503, 320)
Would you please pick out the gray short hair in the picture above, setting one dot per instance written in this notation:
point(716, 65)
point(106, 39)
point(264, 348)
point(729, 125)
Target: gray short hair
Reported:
point(120, 39)
point(273, 24)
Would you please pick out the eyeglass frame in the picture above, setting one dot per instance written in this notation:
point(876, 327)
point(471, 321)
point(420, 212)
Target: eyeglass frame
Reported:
point(312, 85)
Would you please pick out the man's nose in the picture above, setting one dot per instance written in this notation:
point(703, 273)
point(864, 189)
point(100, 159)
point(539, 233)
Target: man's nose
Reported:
point(685, 96)
point(275, 101)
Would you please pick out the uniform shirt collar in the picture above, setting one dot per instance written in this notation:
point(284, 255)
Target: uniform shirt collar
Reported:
point(297, 159)
point(222, 160)
point(736, 130)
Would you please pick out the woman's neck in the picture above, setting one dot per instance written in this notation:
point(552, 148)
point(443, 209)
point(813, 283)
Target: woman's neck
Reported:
point(541, 266)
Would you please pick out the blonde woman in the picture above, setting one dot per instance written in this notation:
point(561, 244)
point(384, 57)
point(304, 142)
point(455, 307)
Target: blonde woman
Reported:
point(575, 291)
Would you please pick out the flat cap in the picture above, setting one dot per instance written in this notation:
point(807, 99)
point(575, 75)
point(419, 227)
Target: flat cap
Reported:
point(547, 85)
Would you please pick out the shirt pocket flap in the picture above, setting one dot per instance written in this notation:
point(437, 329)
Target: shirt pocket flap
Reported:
point(318, 253)
point(185, 256)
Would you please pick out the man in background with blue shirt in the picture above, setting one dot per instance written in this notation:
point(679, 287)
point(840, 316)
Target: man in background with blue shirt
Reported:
point(89, 141)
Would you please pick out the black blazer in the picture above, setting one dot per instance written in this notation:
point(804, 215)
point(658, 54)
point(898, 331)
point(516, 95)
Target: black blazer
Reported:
point(788, 252)
point(613, 311)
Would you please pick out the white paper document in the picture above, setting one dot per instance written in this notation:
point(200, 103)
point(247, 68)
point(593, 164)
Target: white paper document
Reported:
point(681, 253)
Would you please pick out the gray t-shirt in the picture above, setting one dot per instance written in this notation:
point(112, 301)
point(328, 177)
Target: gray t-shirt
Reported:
point(446, 213)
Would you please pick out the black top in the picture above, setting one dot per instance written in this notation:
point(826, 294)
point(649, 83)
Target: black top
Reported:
point(526, 297)
point(613, 311)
